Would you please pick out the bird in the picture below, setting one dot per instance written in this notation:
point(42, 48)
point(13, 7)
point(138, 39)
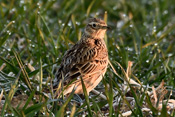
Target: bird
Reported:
point(87, 59)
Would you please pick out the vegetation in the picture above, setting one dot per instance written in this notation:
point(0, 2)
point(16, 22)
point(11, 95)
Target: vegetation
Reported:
point(34, 36)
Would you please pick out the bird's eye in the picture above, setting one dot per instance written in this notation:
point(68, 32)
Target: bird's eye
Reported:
point(94, 25)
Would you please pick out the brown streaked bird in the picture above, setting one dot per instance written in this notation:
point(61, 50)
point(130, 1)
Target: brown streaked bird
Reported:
point(88, 59)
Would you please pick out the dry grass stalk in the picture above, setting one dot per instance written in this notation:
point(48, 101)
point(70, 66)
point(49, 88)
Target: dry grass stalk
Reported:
point(99, 93)
point(30, 67)
point(1, 95)
point(2, 66)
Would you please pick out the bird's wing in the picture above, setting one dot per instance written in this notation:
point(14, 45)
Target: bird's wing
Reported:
point(82, 59)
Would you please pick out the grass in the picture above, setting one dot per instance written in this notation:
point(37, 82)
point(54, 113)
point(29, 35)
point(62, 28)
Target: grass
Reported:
point(38, 34)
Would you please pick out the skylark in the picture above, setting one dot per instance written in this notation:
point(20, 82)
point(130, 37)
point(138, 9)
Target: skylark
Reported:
point(88, 59)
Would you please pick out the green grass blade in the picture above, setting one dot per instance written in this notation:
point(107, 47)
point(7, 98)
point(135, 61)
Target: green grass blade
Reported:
point(164, 111)
point(33, 109)
point(89, 8)
point(86, 97)
point(41, 79)
point(110, 98)
point(61, 111)
point(10, 94)
point(11, 66)
point(29, 99)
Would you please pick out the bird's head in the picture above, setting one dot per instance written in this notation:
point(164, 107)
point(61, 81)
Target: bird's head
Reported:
point(96, 28)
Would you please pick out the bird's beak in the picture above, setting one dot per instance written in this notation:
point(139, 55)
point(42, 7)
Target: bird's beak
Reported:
point(106, 27)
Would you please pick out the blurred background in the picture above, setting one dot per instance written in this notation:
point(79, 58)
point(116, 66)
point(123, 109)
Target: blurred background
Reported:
point(34, 36)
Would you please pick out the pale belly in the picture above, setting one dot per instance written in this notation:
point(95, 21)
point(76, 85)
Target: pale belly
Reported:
point(90, 82)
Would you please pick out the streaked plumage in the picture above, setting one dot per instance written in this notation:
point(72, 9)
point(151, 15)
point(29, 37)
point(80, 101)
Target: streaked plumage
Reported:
point(88, 59)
